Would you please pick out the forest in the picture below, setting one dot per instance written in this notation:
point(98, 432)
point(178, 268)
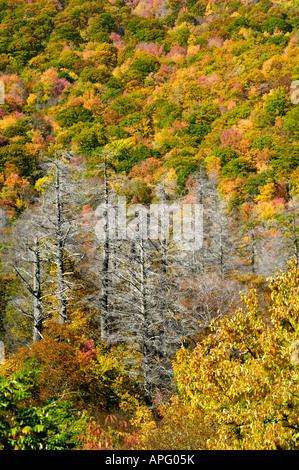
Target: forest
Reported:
point(117, 117)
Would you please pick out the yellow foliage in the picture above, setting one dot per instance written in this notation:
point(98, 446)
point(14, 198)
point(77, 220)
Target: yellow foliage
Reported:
point(178, 427)
point(41, 184)
point(267, 209)
point(243, 376)
point(213, 164)
point(7, 121)
point(32, 99)
point(275, 62)
point(267, 192)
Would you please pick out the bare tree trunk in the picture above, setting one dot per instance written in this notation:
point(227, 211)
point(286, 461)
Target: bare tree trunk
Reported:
point(106, 326)
point(145, 325)
point(33, 283)
point(163, 303)
point(294, 234)
point(252, 260)
point(221, 252)
point(37, 295)
point(61, 287)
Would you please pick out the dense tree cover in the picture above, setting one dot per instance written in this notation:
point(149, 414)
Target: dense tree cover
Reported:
point(238, 386)
point(189, 101)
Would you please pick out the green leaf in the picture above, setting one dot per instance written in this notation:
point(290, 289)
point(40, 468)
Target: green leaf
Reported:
point(39, 428)
point(26, 429)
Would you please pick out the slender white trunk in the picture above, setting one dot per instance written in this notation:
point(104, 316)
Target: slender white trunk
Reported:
point(37, 303)
point(61, 287)
point(106, 326)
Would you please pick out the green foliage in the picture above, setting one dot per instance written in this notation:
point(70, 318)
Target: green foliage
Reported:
point(233, 116)
point(67, 59)
point(182, 34)
point(99, 75)
point(145, 29)
point(124, 105)
point(142, 66)
point(279, 40)
point(263, 141)
point(196, 8)
point(279, 24)
point(286, 157)
point(69, 116)
point(290, 123)
point(23, 426)
point(165, 112)
point(101, 27)
point(226, 154)
point(89, 139)
point(200, 123)
point(277, 103)
point(21, 128)
point(184, 163)
point(255, 182)
point(129, 157)
point(237, 23)
point(238, 167)
point(210, 82)
point(24, 159)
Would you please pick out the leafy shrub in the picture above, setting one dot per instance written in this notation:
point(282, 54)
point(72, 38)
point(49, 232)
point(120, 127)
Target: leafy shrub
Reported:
point(85, 373)
point(237, 23)
point(278, 102)
point(196, 8)
point(146, 29)
point(99, 75)
point(226, 154)
point(88, 139)
point(67, 59)
point(263, 141)
point(69, 116)
point(279, 24)
point(52, 426)
point(290, 123)
point(255, 182)
point(165, 112)
point(21, 128)
point(142, 66)
point(129, 157)
point(279, 40)
point(200, 123)
point(237, 167)
point(102, 25)
point(23, 157)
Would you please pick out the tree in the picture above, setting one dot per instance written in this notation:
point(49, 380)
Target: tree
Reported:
point(287, 220)
point(47, 240)
point(62, 202)
point(54, 426)
point(33, 282)
point(219, 226)
point(106, 319)
point(244, 375)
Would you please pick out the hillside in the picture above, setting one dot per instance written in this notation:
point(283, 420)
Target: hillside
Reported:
point(154, 101)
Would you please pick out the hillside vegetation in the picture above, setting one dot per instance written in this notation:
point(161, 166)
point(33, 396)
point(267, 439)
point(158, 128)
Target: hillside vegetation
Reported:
point(128, 343)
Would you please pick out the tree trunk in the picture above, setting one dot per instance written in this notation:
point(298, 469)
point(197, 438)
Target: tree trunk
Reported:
point(37, 303)
point(145, 326)
point(106, 326)
point(61, 287)
point(295, 239)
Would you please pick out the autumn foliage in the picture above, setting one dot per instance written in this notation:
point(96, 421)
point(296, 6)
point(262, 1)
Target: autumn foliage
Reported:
point(190, 101)
point(238, 386)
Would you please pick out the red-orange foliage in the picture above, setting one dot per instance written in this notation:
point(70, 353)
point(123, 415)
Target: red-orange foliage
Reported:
point(114, 436)
point(87, 352)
